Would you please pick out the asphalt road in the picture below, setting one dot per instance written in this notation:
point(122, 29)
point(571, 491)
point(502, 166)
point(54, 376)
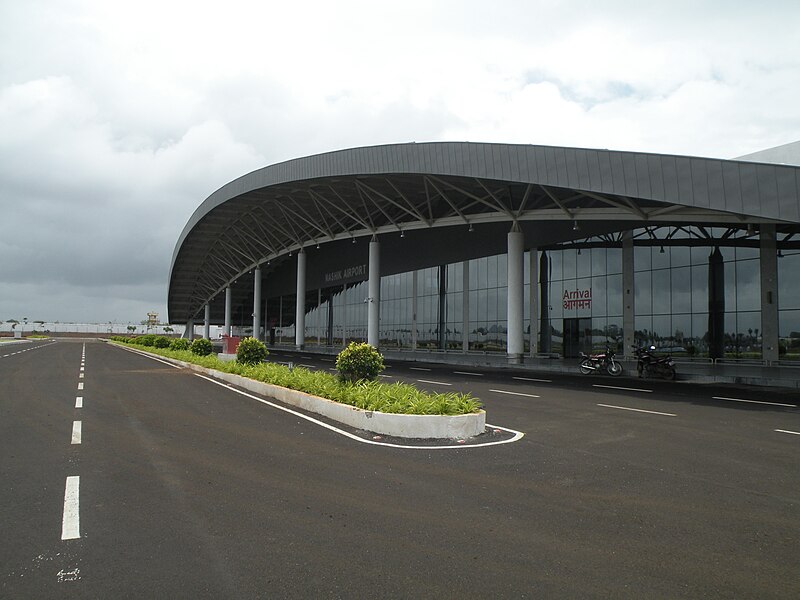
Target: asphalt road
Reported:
point(188, 489)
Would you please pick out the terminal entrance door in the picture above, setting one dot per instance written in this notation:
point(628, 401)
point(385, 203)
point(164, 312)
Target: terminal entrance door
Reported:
point(577, 337)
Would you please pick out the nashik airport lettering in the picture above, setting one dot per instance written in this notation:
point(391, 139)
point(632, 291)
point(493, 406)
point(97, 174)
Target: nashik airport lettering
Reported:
point(348, 273)
point(577, 299)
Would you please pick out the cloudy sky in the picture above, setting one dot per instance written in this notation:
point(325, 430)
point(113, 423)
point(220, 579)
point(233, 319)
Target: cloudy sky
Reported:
point(118, 118)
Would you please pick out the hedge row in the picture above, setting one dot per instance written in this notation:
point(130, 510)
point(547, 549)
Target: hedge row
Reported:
point(399, 398)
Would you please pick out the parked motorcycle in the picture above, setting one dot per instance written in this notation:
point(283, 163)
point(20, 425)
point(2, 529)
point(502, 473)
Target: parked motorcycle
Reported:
point(601, 362)
point(648, 364)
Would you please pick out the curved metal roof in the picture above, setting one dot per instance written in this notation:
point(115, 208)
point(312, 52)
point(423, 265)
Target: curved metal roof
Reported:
point(273, 211)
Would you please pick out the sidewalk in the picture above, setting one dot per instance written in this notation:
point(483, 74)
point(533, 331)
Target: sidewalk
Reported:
point(784, 376)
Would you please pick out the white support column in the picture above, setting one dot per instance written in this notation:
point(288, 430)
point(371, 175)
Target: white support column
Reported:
point(465, 305)
point(319, 317)
point(300, 307)
point(516, 293)
point(207, 323)
point(374, 291)
point(533, 299)
point(257, 303)
point(228, 309)
point(770, 335)
point(189, 333)
point(628, 296)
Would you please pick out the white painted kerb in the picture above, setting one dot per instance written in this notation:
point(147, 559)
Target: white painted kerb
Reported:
point(404, 426)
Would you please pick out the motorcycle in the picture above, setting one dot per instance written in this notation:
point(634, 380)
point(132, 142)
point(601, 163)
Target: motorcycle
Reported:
point(648, 364)
point(601, 362)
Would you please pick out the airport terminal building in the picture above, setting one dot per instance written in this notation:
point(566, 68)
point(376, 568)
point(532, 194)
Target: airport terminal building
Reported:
point(516, 250)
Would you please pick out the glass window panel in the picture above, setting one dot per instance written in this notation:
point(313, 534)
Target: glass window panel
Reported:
point(789, 281)
point(789, 328)
point(584, 262)
point(641, 258)
point(660, 257)
point(491, 265)
point(502, 270)
point(700, 332)
point(555, 258)
point(661, 292)
point(599, 307)
point(643, 326)
point(491, 302)
point(699, 255)
point(681, 332)
point(728, 254)
point(473, 306)
point(483, 276)
point(699, 288)
point(569, 264)
point(613, 260)
point(643, 300)
point(748, 285)
point(681, 288)
point(614, 295)
point(745, 253)
point(598, 260)
point(680, 256)
point(662, 326)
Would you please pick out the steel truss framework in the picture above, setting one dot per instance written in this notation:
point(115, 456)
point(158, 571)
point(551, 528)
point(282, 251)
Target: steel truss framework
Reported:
point(246, 224)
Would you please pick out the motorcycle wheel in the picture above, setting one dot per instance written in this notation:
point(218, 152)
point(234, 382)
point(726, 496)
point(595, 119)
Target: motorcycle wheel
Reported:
point(614, 369)
point(586, 366)
point(671, 374)
point(646, 372)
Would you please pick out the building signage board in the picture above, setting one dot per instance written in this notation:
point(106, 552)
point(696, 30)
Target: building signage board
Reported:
point(575, 299)
point(348, 273)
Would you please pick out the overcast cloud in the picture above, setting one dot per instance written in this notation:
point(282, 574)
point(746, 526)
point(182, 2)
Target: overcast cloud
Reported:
point(118, 119)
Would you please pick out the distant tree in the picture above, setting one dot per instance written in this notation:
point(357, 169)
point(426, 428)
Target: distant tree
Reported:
point(168, 329)
point(131, 328)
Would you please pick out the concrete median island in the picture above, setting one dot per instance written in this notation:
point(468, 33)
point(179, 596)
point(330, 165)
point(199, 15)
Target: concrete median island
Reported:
point(390, 424)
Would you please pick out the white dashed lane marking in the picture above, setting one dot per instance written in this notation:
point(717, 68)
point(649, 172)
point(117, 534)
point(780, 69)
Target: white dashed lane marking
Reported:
point(80, 385)
point(418, 369)
point(468, 373)
point(626, 389)
point(515, 393)
point(70, 523)
point(753, 401)
point(787, 431)
point(433, 382)
point(76, 432)
point(79, 402)
point(532, 379)
point(651, 412)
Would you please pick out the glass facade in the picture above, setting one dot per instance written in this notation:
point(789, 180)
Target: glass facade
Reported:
point(684, 287)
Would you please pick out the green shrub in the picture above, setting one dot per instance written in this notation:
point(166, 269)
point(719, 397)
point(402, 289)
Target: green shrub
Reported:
point(251, 351)
point(161, 342)
point(179, 344)
point(201, 347)
point(359, 362)
point(146, 340)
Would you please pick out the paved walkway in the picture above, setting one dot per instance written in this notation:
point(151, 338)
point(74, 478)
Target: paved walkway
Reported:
point(786, 376)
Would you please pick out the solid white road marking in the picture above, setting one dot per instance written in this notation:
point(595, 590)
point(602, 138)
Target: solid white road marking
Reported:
point(418, 369)
point(70, 523)
point(326, 359)
point(76, 432)
point(468, 373)
point(434, 382)
point(387, 376)
point(515, 393)
point(79, 402)
point(616, 387)
point(80, 385)
point(652, 412)
point(518, 435)
point(754, 401)
point(82, 367)
point(787, 431)
point(532, 379)
point(80, 376)
point(306, 366)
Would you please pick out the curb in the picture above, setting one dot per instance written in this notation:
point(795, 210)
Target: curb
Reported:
point(402, 426)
